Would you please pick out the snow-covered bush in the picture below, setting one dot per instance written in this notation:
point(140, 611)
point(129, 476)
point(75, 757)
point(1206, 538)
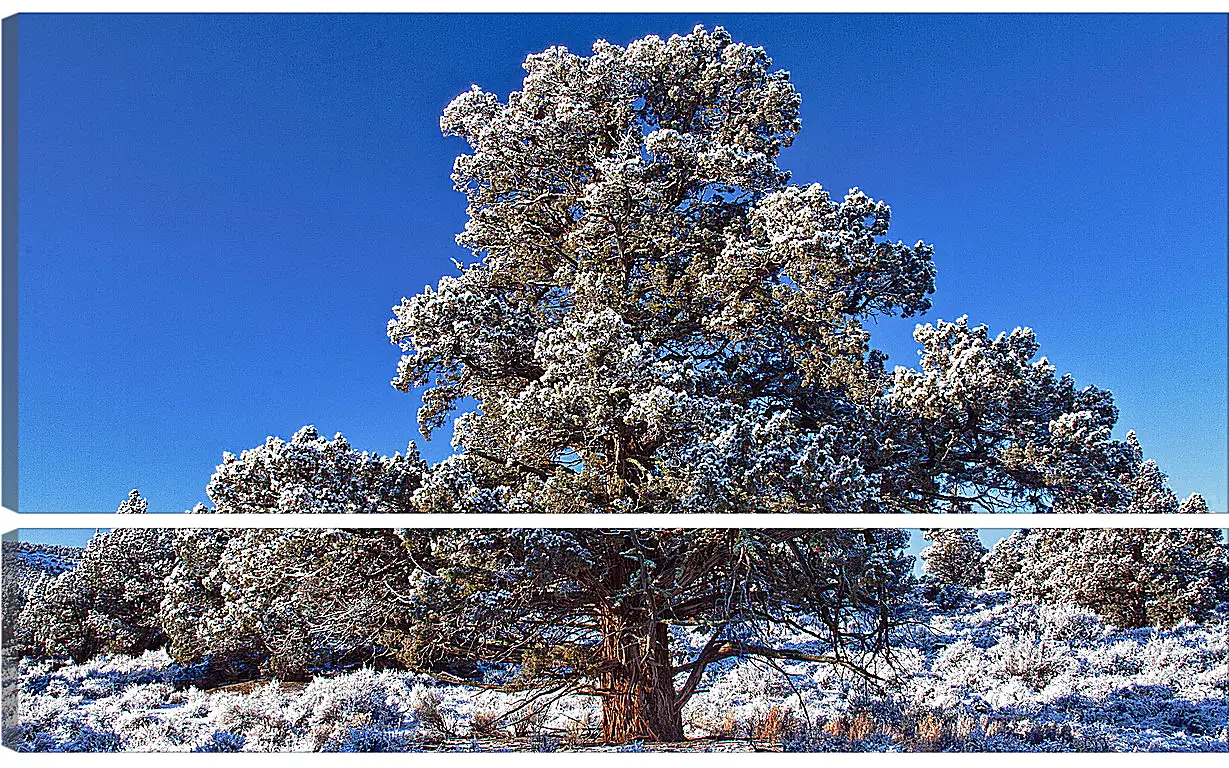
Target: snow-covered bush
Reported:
point(24, 565)
point(366, 738)
point(1131, 577)
point(109, 602)
point(222, 741)
point(954, 556)
point(252, 601)
point(365, 703)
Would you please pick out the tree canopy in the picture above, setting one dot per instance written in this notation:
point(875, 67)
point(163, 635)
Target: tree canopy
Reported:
point(654, 319)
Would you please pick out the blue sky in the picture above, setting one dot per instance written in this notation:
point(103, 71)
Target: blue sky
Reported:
point(218, 212)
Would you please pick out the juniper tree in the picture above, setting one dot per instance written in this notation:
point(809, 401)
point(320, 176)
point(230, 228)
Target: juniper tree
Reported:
point(310, 474)
point(25, 565)
point(655, 320)
point(110, 601)
point(954, 556)
point(135, 504)
point(1131, 577)
point(593, 611)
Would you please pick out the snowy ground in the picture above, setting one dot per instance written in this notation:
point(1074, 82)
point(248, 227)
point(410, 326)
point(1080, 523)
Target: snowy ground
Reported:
point(987, 676)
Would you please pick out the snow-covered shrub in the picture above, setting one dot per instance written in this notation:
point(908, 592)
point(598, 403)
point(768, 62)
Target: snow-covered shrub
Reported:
point(222, 741)
point(365, 700)
point(429, 708)
point(367, 738)
point(109, 602)
point(262, 716)
point(1129, 577)
point(1027, 657)
point(66, 736)
point(954, 556)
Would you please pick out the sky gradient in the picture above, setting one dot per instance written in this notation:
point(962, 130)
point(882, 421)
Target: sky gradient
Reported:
point(218, 212)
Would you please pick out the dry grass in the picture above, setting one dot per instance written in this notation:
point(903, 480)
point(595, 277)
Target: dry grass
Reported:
point(935, 732)
point(426, 707)
point(487, 724)
point(775, 725)
point(251, 685)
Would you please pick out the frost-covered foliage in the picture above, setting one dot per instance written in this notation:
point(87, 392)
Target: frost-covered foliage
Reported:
point(1194, 504)
point(268, 602)
point(1106, 689)
point(954, 556)
point(985, 426)
point(24, 564)
point(655, 320)
point(148, 703)
point(312, 475)
point(1131, 577)
point(249, 599)
point(109, 602)
point(994, 675)
point(1001, 564)
point(135, 504)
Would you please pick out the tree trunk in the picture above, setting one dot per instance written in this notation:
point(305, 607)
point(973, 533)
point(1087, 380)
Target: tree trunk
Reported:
point(637, 685)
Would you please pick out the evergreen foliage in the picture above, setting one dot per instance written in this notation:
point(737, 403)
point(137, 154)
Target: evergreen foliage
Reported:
point(954, 556)
point(109, 602)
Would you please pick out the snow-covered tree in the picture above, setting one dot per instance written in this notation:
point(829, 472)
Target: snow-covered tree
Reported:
point(239, 596)
point(193, 610)
point(655, 320)
point(954, 556)
point(110, 601)
point(592, 611)
point(24, 565)
point(135, 504)
point(1194, 504)
point(1132, 577)
point(1001, 564)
